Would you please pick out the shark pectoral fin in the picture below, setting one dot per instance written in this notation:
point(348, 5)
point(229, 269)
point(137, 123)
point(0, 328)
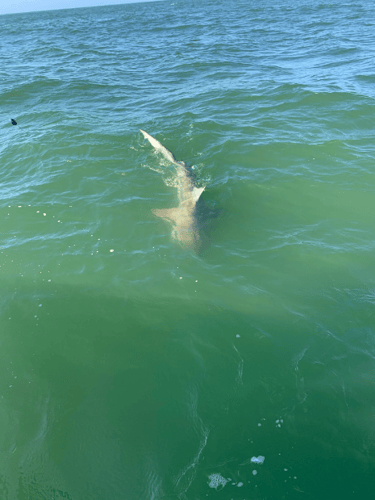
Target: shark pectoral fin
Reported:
point(197, 193)
point(168, 213)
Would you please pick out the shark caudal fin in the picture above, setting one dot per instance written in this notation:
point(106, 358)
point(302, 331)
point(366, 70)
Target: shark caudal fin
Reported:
point(159, 147)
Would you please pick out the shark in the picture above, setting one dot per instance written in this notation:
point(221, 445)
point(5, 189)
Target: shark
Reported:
point(184, 217)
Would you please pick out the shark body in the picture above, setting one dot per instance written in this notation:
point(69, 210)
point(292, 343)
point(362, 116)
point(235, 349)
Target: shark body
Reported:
point(183, 218)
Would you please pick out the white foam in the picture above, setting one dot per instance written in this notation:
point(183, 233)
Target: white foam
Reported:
point(216, 481)
point(257, 460)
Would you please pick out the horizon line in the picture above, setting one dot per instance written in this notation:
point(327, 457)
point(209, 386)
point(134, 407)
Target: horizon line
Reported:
point(82, 7)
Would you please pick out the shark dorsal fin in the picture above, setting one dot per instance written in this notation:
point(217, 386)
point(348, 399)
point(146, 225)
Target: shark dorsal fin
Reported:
point(197, 193)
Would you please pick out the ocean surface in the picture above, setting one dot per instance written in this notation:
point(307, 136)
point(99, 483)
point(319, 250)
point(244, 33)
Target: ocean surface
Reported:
point(132, 366)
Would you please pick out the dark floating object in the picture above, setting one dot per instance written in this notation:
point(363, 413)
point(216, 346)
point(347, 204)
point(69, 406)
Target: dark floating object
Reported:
point(13, 121)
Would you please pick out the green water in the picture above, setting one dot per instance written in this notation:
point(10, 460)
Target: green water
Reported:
point(131, 366)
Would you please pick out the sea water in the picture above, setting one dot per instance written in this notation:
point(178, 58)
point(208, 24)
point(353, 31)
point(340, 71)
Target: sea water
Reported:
point(131, 366)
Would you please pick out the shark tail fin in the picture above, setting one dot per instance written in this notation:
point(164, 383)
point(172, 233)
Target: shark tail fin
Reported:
point(197, 193)
point(159, 147)
point(171, 214)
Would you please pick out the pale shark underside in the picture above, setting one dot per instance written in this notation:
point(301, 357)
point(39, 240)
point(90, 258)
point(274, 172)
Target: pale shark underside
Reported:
point(183, 218)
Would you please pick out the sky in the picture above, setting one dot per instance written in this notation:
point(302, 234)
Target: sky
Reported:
point(16, 6)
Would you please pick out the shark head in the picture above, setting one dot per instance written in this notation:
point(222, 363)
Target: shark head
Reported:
point(184, 223)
